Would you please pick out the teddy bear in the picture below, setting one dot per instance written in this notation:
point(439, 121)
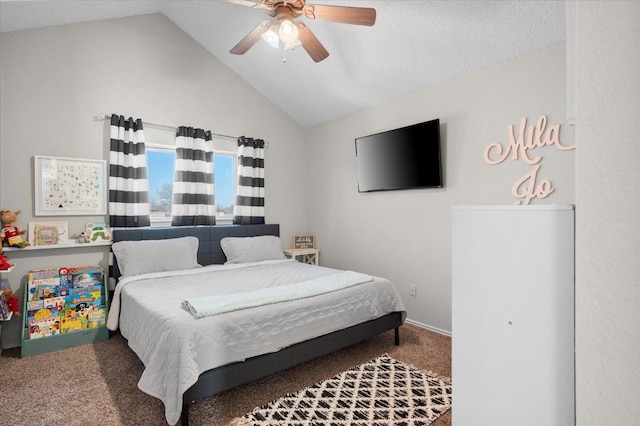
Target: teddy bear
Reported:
point(84, 236)
point(11, 235)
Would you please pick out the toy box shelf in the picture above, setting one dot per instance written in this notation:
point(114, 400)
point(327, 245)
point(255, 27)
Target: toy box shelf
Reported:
point(64, 340)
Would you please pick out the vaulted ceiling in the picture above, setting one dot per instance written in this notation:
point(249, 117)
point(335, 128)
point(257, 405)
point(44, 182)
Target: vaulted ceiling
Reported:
point(413, 44)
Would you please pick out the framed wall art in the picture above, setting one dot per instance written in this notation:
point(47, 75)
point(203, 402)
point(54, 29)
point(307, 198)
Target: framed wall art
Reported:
point(70, 186)
point(304, 242)
point(48, 233)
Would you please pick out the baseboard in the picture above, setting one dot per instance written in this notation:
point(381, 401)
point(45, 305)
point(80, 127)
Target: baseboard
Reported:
point(428, 327)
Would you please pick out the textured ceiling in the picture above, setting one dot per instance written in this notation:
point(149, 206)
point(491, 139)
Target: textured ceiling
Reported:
point(413, 45)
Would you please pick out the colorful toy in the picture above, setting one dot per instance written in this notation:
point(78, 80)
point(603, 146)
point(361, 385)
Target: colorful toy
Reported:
point(13, 302)
point(84, 236)
point(11, 235)
point(4, 263)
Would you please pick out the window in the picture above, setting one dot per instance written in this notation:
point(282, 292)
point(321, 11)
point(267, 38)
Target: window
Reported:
point(160, 166)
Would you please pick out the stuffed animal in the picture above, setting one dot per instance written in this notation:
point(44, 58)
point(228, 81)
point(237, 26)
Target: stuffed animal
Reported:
point(84, 236)
point(11, 235)
point(12, 301)
point(4, 263)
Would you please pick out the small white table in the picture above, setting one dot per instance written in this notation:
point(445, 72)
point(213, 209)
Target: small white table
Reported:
point(310, 256)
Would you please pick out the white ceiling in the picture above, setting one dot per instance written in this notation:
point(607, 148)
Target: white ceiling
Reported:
point(413, 45)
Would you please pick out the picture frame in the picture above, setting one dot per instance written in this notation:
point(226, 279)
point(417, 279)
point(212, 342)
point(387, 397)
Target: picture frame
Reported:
point(69, 186)
point(48, 233)
point(301, 242)
point(100, 232)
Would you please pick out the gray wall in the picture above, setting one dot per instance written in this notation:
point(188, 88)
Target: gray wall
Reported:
point(607, 218)
point(406, 235)
point(55, 80)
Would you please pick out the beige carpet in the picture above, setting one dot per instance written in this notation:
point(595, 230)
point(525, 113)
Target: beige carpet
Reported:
point(97, 384)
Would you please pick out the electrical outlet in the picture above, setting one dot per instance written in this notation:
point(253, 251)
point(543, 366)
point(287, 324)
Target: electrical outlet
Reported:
point(412, 290)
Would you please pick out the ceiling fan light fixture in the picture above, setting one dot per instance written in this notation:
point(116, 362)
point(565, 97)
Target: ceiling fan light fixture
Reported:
point(288, 31)
point(291, 31)
point(271, 36)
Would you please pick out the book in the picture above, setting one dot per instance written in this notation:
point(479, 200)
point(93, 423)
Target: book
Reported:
point(79, 306)
point(35, 289)
point(34, 305)
point(41, 274)
point(42, 313)
point(47, 291)
point(64, 277)
point(72, 324)
point(100, 232)
point(43, 322)
point(43, 327)
point(4, 305)
point(55, 302)
point(48, 233)
point(80, 290)
point(39, 279)
point(85, 277)
point(97, 318)
point(91, 298)
point(63, 290)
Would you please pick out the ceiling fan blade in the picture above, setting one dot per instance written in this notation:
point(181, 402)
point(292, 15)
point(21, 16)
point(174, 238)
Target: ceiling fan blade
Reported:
point(248, 3)
point(342, 14)
point(250, 39)
point(311, 44)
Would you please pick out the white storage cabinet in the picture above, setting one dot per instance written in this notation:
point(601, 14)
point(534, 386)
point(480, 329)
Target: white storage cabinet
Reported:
point(513, 315)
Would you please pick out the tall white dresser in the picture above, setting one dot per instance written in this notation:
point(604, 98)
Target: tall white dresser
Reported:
point(513, 315)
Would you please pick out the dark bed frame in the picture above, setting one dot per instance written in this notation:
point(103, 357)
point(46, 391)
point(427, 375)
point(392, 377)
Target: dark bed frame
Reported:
point(219, 379)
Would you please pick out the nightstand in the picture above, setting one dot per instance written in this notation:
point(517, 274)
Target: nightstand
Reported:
point(310, 256)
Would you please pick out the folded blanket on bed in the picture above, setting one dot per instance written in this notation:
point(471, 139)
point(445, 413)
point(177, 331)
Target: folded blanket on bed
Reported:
point(214, 305)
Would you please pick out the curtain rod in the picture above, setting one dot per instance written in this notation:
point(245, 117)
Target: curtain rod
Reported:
point(164, 127)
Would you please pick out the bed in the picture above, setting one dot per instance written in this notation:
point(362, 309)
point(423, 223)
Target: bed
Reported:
point(247, 312)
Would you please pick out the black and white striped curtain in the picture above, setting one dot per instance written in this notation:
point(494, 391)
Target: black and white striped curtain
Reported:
point(193, 189)
point(249, 207)
point(128, 183)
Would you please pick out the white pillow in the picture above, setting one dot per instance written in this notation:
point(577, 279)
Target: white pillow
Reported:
point(142, 257)
point(252, 249)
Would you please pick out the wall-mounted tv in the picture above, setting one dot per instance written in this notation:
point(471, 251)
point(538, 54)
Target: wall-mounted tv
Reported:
point(404, 158)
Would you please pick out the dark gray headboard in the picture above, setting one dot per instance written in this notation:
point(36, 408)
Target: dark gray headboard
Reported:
point(209, 250)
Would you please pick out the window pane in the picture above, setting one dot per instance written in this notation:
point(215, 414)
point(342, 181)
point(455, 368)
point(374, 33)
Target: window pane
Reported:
point(160, 166)
point(224, 184)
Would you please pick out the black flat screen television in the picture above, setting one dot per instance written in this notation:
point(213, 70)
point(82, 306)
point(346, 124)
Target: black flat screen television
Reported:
point(404, 158)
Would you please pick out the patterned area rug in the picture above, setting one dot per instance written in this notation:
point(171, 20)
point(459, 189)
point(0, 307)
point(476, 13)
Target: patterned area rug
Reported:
point(381, 392)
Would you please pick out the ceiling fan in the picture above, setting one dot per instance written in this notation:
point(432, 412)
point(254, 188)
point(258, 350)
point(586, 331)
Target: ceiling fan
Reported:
point(285, 28)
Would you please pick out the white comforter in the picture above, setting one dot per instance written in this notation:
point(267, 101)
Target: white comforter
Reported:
point(176, 348)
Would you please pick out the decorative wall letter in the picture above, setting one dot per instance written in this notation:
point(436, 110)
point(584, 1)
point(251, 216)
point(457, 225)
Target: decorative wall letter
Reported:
point(525, 188)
